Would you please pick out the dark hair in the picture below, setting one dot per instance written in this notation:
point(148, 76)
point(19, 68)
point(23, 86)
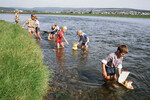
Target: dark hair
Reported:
point(123, 48)
point(32, 15)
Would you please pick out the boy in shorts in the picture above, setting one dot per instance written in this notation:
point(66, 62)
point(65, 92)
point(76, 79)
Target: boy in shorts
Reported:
point(37, 29)
point(31, 24)
point(113, 61)
point(84, 38)
point(60, 36)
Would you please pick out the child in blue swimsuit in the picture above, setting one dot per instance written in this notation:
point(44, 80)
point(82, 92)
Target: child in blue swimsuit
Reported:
point(52, 33)
point(84, 38)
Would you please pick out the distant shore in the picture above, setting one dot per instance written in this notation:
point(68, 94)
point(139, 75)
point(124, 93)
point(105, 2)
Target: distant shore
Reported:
point(105, 15)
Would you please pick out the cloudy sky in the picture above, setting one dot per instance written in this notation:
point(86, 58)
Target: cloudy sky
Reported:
point(137, 4)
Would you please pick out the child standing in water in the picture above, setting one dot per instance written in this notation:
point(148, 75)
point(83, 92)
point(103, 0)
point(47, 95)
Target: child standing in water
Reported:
point(52, 33)
point(37, 29)
point(113, 61)
point(60, 36)
point(17, 19)
point(84, 38)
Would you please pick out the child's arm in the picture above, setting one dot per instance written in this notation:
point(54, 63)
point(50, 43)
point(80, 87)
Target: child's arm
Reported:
point(79, 41)
point(25, 23)
point(104, 71)
point(119, 71)
point(87, 41)
point(65, 40)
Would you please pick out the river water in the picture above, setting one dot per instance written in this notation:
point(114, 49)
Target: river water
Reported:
point(77, 75)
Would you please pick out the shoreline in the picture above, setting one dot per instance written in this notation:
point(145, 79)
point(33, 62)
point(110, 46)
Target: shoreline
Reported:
point(101, 15)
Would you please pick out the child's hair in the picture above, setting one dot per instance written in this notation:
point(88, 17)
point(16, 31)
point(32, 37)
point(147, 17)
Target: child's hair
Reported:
point(64, 27)
point(79, 32)
point(35, 17)
point(53, 27)
point(123, 48)
point(56, 24)
point(32, 15)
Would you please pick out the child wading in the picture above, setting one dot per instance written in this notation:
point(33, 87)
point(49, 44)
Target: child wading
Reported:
point(60, 36)
point(31, 24)
point(37, 29)
point(113, 61)
point(84, 38)
point(52, 33)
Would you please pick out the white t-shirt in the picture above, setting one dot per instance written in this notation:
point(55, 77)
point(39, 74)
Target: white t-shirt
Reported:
point(57, 27)
point(37, 23)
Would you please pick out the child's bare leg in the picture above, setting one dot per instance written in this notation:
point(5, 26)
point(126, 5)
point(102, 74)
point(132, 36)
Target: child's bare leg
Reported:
point(108, 77)
point(86, 48)
point(31, 33)
point(50, 36)
point(62, 45)
point(35, 34)
point(114, 77)
point(39, 36)
point(82, 46)
point(54, 36)
point(57, 45)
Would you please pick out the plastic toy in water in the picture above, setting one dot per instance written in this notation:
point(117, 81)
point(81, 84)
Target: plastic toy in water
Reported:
point(122, 80)
point(48, 38)
point(75, 46)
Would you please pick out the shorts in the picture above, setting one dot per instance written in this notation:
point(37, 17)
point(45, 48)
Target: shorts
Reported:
point(37, 29)
point(110, 71)
point(31, 29)
point(59, 41)
point(84, 44)
point(53, 32)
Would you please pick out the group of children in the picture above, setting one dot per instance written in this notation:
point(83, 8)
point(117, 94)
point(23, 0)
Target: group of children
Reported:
point(109, 64)
point(33, 26)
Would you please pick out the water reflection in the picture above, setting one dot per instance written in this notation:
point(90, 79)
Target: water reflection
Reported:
point(59, 56)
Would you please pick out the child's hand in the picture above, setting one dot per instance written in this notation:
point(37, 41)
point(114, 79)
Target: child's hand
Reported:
point(67, 43)
point(104, 74)
point(23, 27)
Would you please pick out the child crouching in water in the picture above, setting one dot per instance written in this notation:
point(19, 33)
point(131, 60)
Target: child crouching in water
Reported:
point(60, 37)
point(52, 33)
point(84, 38)
point(113, 61)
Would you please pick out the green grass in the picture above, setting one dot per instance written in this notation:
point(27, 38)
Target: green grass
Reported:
point(23, 76)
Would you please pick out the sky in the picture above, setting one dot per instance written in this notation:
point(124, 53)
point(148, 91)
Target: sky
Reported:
point(136, 4)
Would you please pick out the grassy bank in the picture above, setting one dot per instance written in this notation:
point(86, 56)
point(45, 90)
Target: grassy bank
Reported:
point(23, 76)
point(105, 15)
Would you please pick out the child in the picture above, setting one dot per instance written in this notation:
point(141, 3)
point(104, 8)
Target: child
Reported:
point(52, 32)
point(31, 24)
point(84, 38)
point(37, 29)
point(60, 36)
point(17, 19)
point(57, 27)
point(113, 61)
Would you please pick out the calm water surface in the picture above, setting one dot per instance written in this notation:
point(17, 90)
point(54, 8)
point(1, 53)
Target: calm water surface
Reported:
point(78, 75)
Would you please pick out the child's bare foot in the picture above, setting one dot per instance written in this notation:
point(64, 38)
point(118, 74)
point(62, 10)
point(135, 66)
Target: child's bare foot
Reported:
point(115, 85)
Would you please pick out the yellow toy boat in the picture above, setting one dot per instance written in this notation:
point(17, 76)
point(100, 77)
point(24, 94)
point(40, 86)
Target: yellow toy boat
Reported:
point(75, 46)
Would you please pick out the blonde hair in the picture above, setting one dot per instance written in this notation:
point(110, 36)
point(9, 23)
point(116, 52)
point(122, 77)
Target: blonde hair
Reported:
point(79, 32)
point(64, 27)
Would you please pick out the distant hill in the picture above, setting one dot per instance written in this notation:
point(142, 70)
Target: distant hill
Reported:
point(61, 9)
point(6, 9)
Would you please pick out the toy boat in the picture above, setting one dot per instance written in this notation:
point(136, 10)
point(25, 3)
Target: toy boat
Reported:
point(122, 80)
point(75, 46)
